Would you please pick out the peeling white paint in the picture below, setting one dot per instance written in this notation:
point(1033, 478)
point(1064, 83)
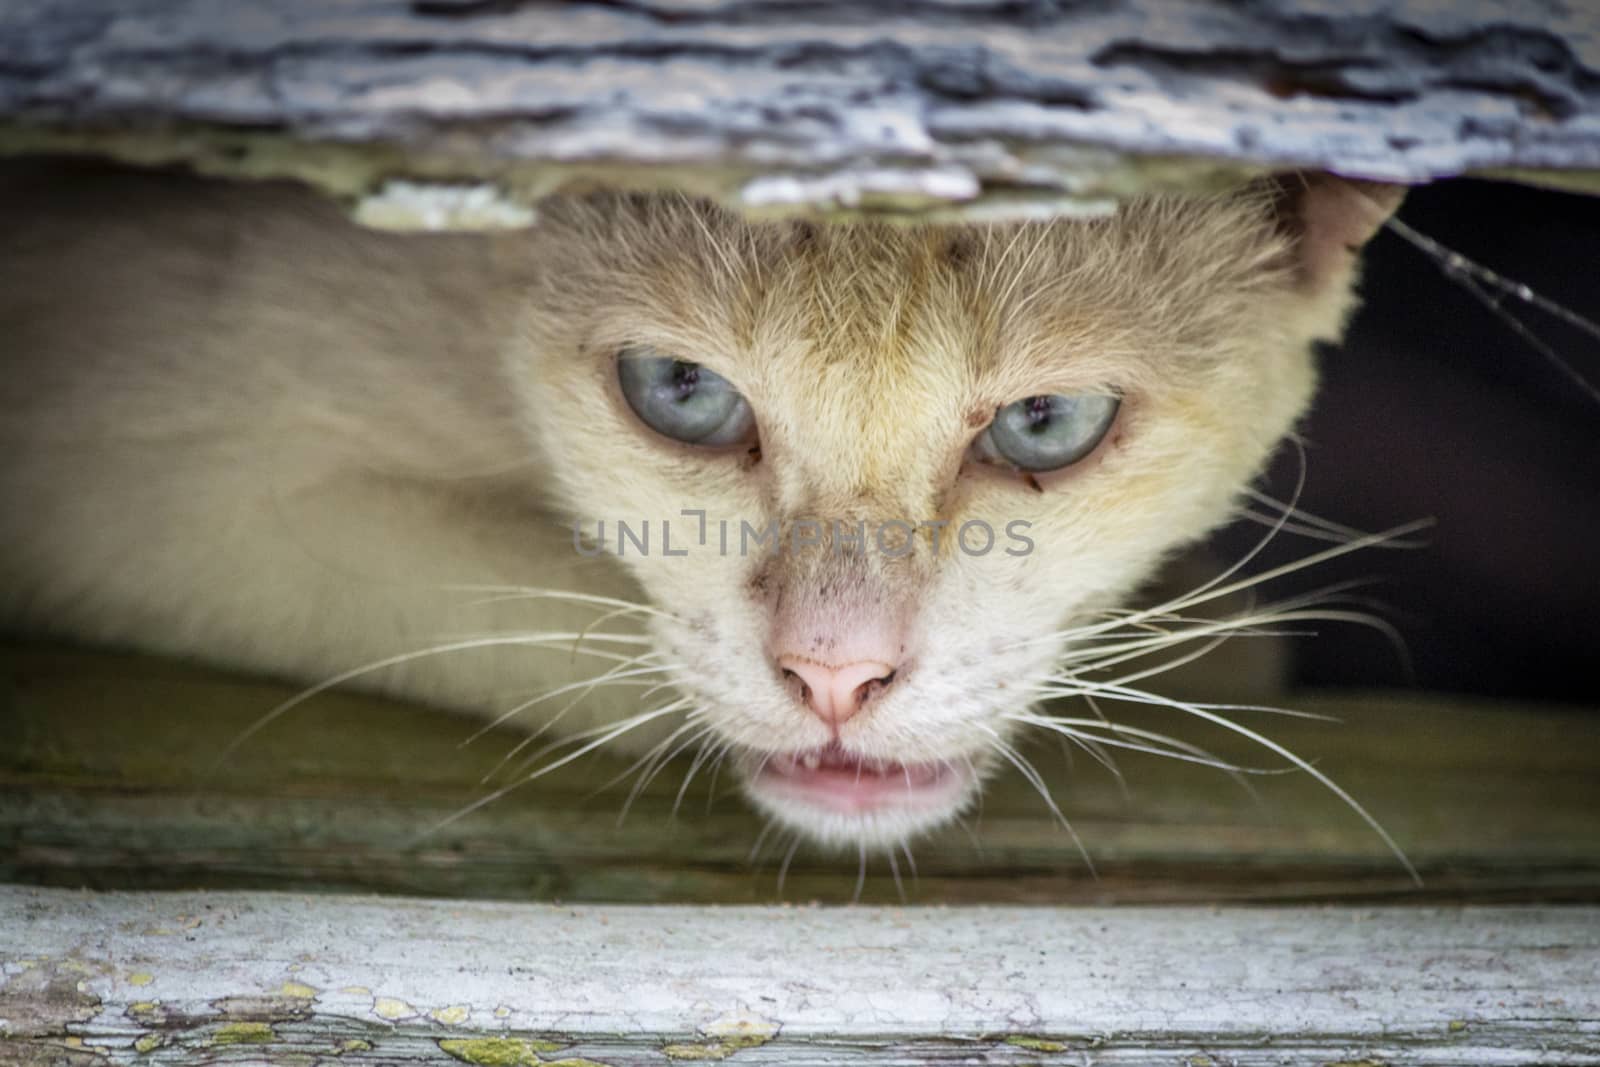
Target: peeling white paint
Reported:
point(410, 205)
point(1399, 985)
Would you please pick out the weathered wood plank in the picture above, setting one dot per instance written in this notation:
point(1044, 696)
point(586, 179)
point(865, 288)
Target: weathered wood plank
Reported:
point(279, 979)
point(987, 106)
point(108, 779)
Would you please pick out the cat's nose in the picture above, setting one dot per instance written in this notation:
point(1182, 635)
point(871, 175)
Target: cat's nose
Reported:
point(835, 693)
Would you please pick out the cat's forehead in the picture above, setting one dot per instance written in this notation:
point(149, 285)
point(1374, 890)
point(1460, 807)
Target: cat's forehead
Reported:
point(1004, 307)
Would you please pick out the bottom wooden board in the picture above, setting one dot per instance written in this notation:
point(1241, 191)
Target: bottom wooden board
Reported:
point(89, 979)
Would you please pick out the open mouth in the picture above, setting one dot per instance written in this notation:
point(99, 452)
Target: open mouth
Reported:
point(838, 780)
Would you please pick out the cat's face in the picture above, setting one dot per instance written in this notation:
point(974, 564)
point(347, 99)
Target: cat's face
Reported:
point(850, 374)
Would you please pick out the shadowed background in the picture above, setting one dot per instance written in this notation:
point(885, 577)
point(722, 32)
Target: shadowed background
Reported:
point(1434, 406)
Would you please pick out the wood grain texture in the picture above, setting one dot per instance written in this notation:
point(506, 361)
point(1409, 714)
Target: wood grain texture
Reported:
point(109, 778)
point(285, 979)
point(983, 106)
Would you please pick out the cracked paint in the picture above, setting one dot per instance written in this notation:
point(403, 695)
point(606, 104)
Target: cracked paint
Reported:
point(42, 1001)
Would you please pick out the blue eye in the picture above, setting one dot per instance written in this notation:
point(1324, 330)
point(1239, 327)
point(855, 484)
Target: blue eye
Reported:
point(1046, 433)
point(683, 400)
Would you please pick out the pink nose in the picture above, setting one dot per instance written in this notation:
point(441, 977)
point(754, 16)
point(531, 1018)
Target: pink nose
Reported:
point(835, 694)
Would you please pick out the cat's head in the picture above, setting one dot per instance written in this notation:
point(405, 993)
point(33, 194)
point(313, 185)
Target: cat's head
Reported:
point(884, 468)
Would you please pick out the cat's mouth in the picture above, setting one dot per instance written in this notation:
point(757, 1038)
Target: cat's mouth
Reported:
point(832, 781)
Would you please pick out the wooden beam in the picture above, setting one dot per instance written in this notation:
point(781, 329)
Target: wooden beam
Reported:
point(975, 107)
point(109, 778)
point(286, 979)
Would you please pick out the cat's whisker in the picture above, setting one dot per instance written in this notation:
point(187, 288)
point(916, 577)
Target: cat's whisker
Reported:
point(614, 676)
point(690, 719)
point(659, 758)
point(1116, 690)
point(521, 592)
point(586, 687)
point(1299, 514)
point(1298, 761)
point(1094, 706)
point(1101, 721)
point(968, 829)
point(578, 638)
point(455, 636)
point(1216, 634)
point(911, 862)
point(761, 839)
point(1068, 751)
point(788, 858)
point(1164, 745)
point(1149, 672)
point(1220, 586)
point(590, 628)
point(487, 601)
point(1106, 656)
point(498, 641)
point(708, 743)
point(1317, 605)
point(894, 872)
point(1068, 684)
point(613, 731)
point(1307, 524)
point(1306, 530)
point(973, 775)
point(1036, 780)
point(1206, 588)
point(1210, 591)
point(1101, 656)
point(861, 871)
point(1072, 739)
point(593, 731)
point(716, 768)
point(657, 687)
point(1097, 751)
point(723, 751)
point(1334, 552)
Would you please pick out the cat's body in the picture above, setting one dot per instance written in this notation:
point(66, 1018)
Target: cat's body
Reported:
point(237, 427)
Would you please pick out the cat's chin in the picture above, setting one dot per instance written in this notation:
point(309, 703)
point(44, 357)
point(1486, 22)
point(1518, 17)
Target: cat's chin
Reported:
point(839, 798)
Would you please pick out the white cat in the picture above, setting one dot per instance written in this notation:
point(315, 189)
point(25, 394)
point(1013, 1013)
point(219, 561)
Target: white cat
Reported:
point(885, 469)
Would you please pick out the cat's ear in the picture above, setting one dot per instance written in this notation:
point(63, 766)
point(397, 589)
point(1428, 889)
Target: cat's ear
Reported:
point(1329, 219)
